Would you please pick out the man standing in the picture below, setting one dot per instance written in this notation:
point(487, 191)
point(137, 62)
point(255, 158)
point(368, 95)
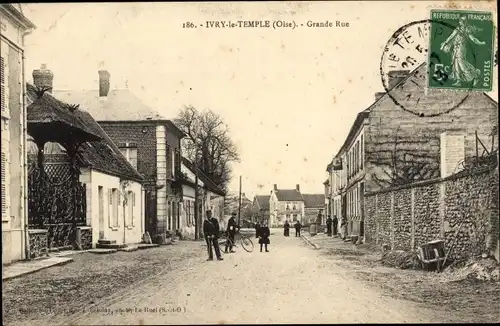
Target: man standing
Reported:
point(329, 222)
point(298, 226)
point(211, 233)
point(335, 223)
point(231, 232)
point(257, 227)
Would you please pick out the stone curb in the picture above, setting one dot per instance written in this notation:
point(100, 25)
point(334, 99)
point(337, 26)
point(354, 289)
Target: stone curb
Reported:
point(62, 262)
point(309, 242)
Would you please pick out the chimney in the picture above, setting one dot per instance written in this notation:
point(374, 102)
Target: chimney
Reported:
point(378, 95)
point(452, 148)
point(297, 187)
point(43, 77)
point(396, 76)
point(103, 83)
point(275, 187)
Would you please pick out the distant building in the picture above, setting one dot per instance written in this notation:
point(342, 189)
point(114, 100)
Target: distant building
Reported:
point(313, 205)
point(286, 205)
point(261, 208)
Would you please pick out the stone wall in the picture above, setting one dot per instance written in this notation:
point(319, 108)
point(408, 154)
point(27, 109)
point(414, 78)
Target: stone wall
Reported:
point(465, 205)
point(38, 243)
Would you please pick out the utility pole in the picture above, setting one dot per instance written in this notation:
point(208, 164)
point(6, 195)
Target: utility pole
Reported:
point(239, 205)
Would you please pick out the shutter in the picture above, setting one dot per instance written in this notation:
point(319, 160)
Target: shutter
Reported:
point(4, 184)
point(2, 87)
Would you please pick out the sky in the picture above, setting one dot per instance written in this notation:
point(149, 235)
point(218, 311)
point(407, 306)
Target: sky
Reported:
point(289, 96)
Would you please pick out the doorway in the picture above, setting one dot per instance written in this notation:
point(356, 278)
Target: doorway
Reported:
point(100, 191)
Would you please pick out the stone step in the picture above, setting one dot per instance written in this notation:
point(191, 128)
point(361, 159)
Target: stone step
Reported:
point(104, 241)
point(110, 245)
point(102, 251)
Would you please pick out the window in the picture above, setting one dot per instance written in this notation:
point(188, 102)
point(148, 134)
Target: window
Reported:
point(129, 150)
point(113, 208)
point(169, 215)
point(130, 208)
point(287, 207)
point(172, 168)
point(361, 153)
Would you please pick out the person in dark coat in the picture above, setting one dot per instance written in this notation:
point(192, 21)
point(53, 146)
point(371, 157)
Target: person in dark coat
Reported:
point(257, 227)
point(343, 227)
point(297, 226)
point(286, 227)
point(329, 223)
point(264, 235)
point(231, 232)
point(211, 232)
point(335, 224)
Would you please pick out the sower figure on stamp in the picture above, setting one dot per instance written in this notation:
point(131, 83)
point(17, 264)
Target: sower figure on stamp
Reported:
point(231, 232)
point(286, 228)
point(457, 42)
point(297, 226)
point(264, 236)
point(211, 233)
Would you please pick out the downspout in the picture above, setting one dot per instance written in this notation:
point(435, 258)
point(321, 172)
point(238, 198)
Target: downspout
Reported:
point(24, 193)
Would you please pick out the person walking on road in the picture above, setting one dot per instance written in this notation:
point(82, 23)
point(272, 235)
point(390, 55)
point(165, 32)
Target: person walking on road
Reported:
point(343, 227)
point(211, 233)
point(298, 226)
point(335, 223)
point(264, 235)
point(231, 232)
point(257, 227)
point(329, 222)
point(286, 228)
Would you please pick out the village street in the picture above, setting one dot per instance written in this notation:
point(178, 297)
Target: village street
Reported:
point(293, 283)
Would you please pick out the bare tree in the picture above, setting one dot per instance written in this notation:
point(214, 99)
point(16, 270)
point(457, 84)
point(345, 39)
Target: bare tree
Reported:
point(208, 142)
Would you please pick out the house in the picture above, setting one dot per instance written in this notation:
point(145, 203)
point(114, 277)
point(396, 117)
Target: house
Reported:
point(211, 197)
point(151, 143)
point(14, 27)
point(286, 205)
point(109, 191)
point(328, 197)
point(261, 207)
point(388, 146)
point(314, 204)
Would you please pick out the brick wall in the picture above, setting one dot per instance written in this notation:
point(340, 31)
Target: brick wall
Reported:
point(409, 216)
point(146, 143)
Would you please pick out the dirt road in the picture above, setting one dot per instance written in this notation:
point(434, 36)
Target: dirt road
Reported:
point(292, 283)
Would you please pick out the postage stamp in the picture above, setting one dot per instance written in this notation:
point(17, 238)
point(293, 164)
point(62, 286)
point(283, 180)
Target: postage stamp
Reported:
point(461, 46)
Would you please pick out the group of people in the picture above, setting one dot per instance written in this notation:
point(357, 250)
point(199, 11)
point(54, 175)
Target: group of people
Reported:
point(297, 226)
point(211, 231)
point(262, 232)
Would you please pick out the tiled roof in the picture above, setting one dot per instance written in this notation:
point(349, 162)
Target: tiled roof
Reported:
point(314, 200)
point(119, 105)
point(102, 155)
point(263, 201)
point(209, 184)
point(289, 195)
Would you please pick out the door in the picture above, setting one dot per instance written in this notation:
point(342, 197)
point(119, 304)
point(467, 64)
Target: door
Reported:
point(362, 209)
point(344, 206)
point(101, 212)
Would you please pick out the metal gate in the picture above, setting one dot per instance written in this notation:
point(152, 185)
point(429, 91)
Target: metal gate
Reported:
point(56, 202)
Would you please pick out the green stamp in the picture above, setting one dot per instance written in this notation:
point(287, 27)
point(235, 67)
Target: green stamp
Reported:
point(460, 52)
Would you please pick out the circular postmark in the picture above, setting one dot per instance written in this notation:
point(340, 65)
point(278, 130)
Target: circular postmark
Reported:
point(409, 56)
